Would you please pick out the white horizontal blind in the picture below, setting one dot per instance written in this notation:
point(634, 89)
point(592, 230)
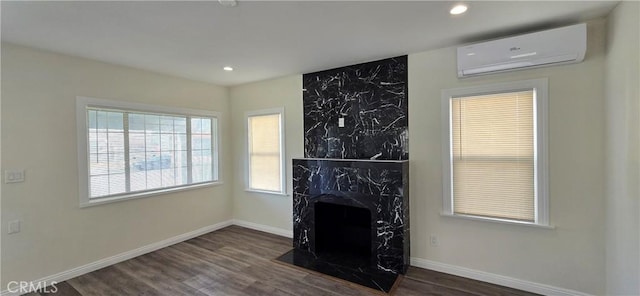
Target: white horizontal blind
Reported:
point(265, 171)
point(493, 155)
point(157, 151)
point(131, 151)
point(106, 147)
point(201, 149)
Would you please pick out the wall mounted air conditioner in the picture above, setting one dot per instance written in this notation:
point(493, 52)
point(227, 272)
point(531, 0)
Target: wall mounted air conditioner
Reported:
point(546, 48)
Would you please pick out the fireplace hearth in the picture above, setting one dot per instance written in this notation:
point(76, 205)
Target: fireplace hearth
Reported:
point(351, 219)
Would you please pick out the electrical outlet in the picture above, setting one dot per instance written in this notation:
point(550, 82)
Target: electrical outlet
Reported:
point(13, 176)
point(341, 122)
point(433, 241)
point(14, 226)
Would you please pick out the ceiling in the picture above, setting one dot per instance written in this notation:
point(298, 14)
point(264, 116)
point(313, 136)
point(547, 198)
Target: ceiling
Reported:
point(264, 39)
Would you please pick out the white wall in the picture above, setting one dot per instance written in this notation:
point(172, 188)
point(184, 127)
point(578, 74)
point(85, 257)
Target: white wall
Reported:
point(623, 150)
point(266, 209)
point(570, 256)
point(38, 135)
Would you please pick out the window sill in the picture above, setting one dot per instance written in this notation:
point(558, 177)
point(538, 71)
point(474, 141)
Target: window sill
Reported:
point(495, 220)
point(266, 192)
point(105, 200)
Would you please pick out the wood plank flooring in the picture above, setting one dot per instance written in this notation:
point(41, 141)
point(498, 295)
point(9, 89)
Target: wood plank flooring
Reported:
point(238, 261)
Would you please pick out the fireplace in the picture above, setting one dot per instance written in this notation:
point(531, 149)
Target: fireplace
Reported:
point(351, 192)
point(351, 219)
point(343, 233)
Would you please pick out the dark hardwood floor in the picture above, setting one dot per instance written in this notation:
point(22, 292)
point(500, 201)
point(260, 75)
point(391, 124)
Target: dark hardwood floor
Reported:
point(238, 261)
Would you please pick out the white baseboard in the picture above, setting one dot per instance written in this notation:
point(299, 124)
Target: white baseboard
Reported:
point(264, 228)
point(495, 278)
point(74, 272)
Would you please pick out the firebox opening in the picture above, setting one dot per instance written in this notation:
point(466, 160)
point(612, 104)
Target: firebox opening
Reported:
point(343, 233)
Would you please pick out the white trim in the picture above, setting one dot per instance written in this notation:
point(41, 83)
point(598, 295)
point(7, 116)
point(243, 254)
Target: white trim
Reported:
point(283, 165)
point(144, 108)
point(447, 177)
point(496, 220)
point(134, 195)
point(78, 271)
point(541, 186)
point(495, 278)
point(264, 228)
point(82, 103)
point(542, 119)
point(266, 192)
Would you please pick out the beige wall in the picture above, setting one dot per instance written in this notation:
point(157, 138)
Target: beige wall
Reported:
point(38, 135)
point(266, 209)
point(623, 150)
point(38, 96)
point(570, 256)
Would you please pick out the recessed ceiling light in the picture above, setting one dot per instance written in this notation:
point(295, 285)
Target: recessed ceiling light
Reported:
point(458, 9)
point(227, 68)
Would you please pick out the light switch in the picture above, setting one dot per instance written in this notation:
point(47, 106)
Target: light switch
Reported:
point(341, 122)
point(13, 176)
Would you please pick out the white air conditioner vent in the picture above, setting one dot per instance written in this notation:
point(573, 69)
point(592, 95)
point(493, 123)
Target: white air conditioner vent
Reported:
point(552, 47)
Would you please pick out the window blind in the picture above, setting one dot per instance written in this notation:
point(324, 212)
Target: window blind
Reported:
point(264, 152)
point(493, 155)
point(138, 152)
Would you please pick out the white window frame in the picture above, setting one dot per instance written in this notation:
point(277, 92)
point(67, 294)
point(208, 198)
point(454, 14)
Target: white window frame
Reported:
point(283, 171)
point(82, 103)
point(541, 198)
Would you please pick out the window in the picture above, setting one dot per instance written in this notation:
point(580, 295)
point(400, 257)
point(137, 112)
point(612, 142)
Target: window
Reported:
point(128, 150)
point(265, 148)
point(495, 152)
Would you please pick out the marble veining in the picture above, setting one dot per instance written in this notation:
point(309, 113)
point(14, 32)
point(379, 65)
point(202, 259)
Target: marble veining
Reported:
point(372, 100)
point(381, 187)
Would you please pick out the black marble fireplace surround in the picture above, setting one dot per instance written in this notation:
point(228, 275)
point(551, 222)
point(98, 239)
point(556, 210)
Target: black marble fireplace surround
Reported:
point(363, 207)
point(372, 100)
point(351, 192)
